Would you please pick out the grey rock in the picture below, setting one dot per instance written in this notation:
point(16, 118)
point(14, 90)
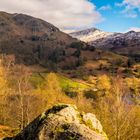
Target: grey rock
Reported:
point(63, 122)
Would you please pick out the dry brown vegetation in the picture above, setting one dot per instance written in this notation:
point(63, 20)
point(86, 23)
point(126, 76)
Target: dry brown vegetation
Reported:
point(73, 72)
point(114, 100)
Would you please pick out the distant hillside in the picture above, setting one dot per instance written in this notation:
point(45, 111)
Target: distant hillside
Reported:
point(30, 39)
point(122, 43)
point(34, 41)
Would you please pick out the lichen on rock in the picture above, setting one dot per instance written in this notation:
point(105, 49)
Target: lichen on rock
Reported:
point(63, 122)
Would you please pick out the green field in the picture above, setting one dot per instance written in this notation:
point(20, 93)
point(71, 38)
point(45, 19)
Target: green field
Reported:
point(38, 80)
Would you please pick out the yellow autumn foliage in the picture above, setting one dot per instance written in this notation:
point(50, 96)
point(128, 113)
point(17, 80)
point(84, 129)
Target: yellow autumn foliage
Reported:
point(103, 83)
point(133, 84)
point(2, 79)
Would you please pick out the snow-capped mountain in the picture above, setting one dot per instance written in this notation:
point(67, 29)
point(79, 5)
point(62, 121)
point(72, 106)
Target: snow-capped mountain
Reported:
point(90, 35)
point(122, 43)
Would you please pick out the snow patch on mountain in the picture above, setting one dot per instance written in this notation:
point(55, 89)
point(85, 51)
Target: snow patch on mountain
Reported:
point(90, 35)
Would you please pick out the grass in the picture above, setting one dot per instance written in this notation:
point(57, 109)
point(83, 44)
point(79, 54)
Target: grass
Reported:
point(38, 80)
point(6, 131)
point(68, 83)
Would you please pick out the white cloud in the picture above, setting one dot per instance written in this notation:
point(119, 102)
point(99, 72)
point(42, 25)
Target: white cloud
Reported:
point(131, 7)
point(129, 12)
point(106, 7)
point(69, 14)
point(133, 3)
point(136, 29)
point(69, 31)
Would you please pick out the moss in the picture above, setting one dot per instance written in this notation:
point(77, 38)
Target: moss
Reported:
point(59, 129)
point(80, 116)
point(56, 109)
point(65, 126)
point(68, 136)
point(89, 123)
point(43, 116)
point(63, 133)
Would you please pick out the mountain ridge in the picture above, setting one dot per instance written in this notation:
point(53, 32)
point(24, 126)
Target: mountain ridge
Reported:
point(30, 39)
point(122, 43)
point(90, 34)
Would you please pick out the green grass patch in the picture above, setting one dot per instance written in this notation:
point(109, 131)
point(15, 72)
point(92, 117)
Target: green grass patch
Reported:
point(38, 80)
point(68, 84)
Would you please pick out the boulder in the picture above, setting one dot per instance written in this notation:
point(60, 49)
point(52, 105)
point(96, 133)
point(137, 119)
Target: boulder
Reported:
point(63, 122)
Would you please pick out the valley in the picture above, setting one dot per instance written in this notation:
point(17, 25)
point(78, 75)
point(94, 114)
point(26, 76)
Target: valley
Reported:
point(42, 66)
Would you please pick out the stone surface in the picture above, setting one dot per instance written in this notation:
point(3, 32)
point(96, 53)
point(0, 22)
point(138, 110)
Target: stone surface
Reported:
point(63, 122)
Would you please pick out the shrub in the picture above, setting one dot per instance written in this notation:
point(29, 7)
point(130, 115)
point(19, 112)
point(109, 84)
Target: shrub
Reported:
point(71, 94)
point(79, 45)
point(90, 94)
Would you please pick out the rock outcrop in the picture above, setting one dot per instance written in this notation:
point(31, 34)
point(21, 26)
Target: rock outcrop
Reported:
point(63, 122)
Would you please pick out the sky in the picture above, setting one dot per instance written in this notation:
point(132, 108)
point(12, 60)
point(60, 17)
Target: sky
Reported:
point(119, 15)
point(72, 15)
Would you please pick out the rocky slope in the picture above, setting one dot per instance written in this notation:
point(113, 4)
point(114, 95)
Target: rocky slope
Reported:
point(122, 43)
point(30, 40)
point(63, 122)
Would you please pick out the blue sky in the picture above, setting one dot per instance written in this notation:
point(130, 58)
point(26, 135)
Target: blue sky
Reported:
point(115, 16)
point(71, 15)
